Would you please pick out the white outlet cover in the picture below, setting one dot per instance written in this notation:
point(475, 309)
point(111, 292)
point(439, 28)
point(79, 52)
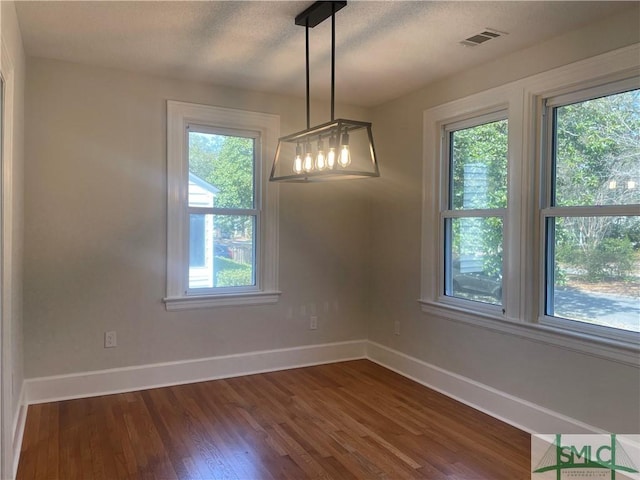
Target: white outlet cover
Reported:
point(110, 339)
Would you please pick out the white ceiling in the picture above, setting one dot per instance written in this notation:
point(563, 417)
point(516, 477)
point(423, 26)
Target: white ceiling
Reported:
point(383, 49)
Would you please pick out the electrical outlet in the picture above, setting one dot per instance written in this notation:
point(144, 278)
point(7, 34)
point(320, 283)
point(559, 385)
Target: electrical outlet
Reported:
point(110, 339)
point(396, 327)
point(313, 322)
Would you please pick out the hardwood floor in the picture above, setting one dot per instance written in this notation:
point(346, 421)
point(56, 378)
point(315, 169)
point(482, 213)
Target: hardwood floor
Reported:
point(349, 420)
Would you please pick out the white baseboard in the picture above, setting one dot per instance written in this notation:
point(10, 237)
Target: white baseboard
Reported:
point(119, 380)
point(515, 411)
point(19, 422)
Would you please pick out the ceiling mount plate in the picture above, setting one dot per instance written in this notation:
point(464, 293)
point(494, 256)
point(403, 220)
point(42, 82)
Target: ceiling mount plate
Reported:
point(318, 13)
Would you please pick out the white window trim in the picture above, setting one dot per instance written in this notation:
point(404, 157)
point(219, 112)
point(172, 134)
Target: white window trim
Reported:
point(523, 99)
point(179, 115)
point(465, 110)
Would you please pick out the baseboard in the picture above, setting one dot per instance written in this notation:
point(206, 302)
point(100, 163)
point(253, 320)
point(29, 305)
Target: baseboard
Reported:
point(128, 379)
point(19, 422)
point(515, 411)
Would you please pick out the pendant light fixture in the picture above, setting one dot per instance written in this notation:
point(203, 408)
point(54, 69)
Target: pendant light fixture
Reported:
point(337, 150)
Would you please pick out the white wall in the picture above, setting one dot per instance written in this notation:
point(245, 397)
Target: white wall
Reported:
point(13, 225)
point(598, 392)
point(95, 235)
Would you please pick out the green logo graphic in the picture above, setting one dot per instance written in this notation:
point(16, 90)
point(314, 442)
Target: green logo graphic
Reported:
point(609, 456)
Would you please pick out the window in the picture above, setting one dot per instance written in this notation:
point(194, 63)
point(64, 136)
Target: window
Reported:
point(591, 221)
point(474, 207)
point(222, 208)
point(222, 232)
point(531, 208)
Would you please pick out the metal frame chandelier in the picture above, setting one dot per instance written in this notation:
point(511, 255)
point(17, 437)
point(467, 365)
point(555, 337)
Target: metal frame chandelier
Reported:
point(337, 150)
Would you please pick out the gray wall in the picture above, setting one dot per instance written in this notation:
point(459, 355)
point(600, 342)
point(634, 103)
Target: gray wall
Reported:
point(596, 391)
point(95, 235)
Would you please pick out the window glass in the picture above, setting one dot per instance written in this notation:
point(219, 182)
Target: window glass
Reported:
point(221, 170)
point(597, 151)
point(197, 240)
point(222, 251)
point(221, 210)
point(596, 270)
point(475, 262)
point(479, 166)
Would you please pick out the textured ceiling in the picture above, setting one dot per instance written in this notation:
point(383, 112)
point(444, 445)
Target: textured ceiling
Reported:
point(383, 49)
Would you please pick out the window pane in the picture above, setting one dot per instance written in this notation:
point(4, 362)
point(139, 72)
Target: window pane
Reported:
point(597, 151)
point(473, 262)
point(221, 171)
point(197, 241)
point(479, 166)
point(221, 251)
point(596, 267)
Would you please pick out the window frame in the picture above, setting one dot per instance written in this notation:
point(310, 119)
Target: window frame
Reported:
point(549, 211)
point(523, 255)
point(448, 213)
point(264, 128)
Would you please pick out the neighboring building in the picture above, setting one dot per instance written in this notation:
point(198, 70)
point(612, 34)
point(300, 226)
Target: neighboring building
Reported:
point(201, 194)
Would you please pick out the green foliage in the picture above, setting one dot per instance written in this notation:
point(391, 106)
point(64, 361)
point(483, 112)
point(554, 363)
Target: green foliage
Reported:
point(230, 273)
point(597, 142)
point(234, 278)
point(612, 258)
point(233, 173)
point(560, 277)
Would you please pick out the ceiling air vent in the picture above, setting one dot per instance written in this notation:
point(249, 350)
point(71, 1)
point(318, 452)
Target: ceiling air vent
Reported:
point(484, 36)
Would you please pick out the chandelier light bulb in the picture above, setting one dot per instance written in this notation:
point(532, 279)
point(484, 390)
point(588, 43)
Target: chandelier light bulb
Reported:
point(631, 184)
point(345, 155)
point(307, 165)
point(331, 156)
point(612, 185)
point(297, 162)
point(321, 160)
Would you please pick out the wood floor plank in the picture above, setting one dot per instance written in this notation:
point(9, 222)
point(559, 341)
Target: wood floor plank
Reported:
point(247, 449)
point(347, 421)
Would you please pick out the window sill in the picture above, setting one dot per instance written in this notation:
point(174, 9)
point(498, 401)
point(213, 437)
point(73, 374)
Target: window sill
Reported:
point(614, 350)
point(226, 300)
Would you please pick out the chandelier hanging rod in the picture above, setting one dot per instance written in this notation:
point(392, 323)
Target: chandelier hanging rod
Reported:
point(312, 17)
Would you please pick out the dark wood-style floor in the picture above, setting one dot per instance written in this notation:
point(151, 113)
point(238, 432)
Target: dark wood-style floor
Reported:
point(350, 420)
